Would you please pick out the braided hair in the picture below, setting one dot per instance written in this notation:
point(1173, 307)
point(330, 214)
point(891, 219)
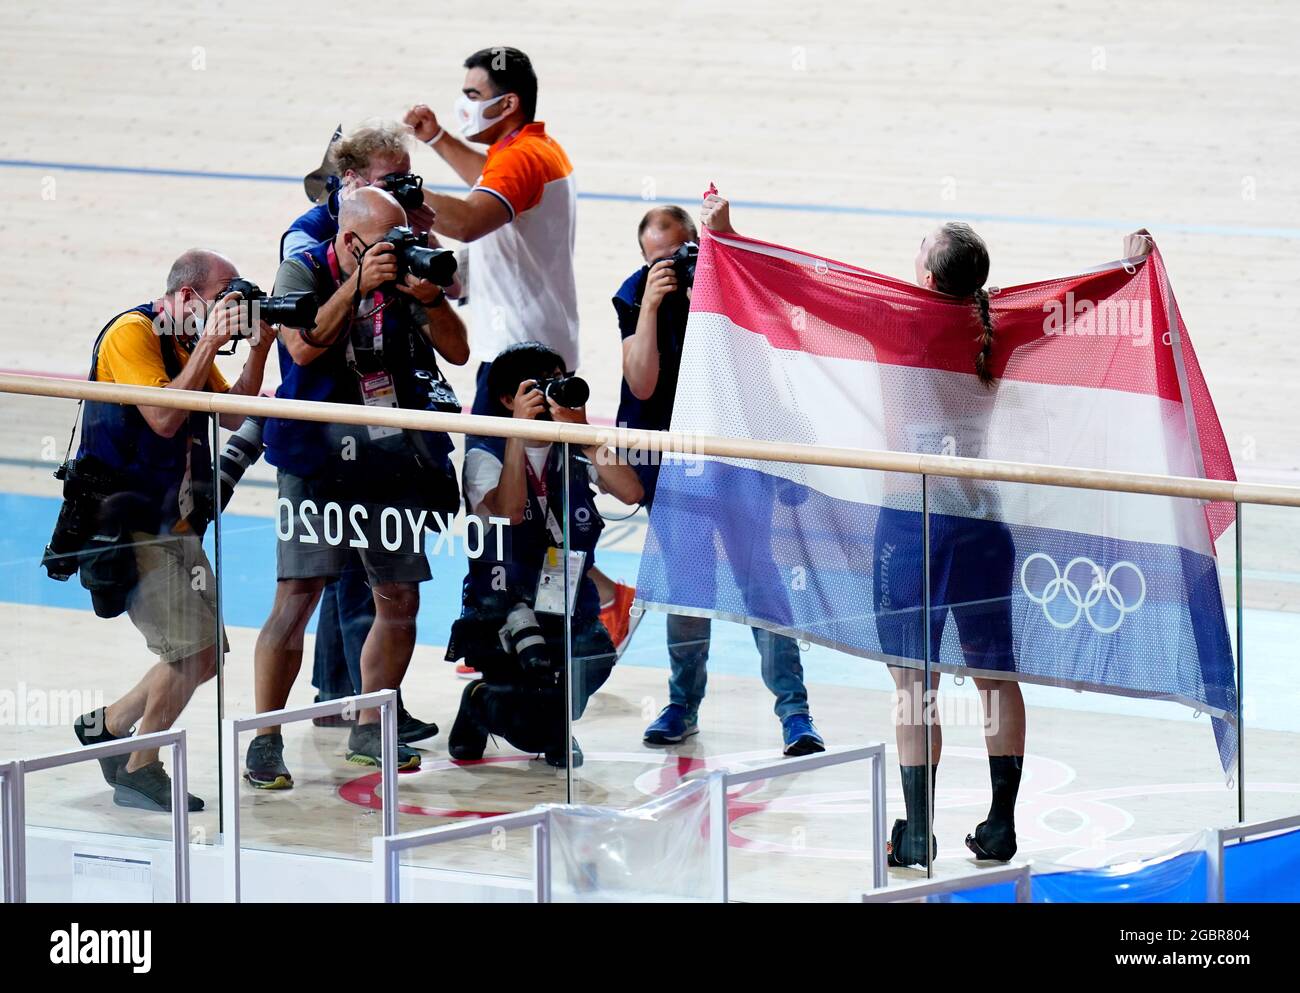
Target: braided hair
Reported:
point(959, 264)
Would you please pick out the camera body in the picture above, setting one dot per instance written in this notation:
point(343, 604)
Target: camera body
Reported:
point(567, 391)
point(406, 188)
point(297, 310)
point(684, 265)
point(437, 265)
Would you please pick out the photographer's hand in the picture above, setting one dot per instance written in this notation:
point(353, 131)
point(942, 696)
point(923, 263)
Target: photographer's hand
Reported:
point(659, 282)
point(616, 477)
point(509, 498)
point(378, 267)
point(428, 293)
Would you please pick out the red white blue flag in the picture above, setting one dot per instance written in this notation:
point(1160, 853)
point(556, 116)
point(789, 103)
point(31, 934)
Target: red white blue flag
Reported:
point(1112, 592)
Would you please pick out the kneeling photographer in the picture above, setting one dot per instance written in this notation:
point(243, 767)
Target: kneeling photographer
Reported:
point(382, 322)
point(512, 625)
point(138, 498)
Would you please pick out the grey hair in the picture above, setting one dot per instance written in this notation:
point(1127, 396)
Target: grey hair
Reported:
point(193, 268)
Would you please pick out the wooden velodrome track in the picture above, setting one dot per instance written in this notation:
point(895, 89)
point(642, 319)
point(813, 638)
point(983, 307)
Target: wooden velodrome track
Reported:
point(133, 131)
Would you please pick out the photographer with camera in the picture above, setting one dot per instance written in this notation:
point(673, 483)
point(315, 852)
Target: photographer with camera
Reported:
point(519, 216)
point(382, 322)
point(652, 307)
point(512, 625)
point(138, 499)
point(374, 154)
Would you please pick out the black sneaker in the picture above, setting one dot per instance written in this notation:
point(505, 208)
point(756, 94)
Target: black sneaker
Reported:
point(92, 729)
point(467, 739)
point(411, 728)
point(264, 766)
point(148, 788)
point(559, 758)
point(364, 745)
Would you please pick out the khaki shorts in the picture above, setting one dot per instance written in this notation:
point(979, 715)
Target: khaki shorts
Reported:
point(174, 604)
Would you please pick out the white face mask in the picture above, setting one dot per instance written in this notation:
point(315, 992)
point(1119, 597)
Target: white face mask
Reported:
point(470, 115)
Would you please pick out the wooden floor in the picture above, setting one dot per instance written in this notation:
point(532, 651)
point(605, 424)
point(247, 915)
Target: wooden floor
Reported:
point(845, 129)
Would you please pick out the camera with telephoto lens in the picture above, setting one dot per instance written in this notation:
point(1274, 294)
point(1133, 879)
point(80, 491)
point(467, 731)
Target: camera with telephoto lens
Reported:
point(297, 310)
point(566, 391)
point(406, 188)
point(437, 265)
point(522, 636)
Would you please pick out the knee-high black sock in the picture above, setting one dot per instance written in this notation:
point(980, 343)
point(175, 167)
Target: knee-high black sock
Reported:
point(1004, 774)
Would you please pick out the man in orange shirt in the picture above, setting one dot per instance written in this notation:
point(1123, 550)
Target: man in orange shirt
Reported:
point(158, 459)
point(519, 216)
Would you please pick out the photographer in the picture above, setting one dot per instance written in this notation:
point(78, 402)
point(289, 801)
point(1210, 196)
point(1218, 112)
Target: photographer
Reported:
point(143, 475)
point(374, 154)
point(374, 342)
point(516, 598)
point(520, 214)
point(652, 307)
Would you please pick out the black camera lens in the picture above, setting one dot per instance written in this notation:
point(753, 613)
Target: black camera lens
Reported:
point(567, 391)
point(437, 265)
point(296, 310)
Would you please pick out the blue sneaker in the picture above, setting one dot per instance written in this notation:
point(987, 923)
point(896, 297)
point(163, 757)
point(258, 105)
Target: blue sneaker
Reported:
point(801, 736)
point(673, 724)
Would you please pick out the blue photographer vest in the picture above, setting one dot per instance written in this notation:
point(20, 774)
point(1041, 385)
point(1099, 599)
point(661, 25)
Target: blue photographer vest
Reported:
point(153, 466)
point(319, 224)
point(305, 448)
point(525, 544)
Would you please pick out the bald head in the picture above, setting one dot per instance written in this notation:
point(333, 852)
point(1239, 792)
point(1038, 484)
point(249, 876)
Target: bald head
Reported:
point(369, 212)
point(204, 272)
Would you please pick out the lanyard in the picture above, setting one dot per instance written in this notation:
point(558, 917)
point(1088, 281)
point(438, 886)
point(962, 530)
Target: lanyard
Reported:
point(376, 314)
point(539, 488)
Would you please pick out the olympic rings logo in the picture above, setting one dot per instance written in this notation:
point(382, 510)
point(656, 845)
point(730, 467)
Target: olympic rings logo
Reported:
point(1101, 584)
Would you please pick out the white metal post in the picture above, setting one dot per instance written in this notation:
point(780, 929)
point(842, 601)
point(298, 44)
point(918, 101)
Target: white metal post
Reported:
point(879, 866)
point(230, 810)
point(718, 820)
point(542, 860)
point(180, 821)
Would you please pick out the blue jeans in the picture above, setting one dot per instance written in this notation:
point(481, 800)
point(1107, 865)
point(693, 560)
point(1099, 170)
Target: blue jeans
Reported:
point(347, 610)
point(688, 653)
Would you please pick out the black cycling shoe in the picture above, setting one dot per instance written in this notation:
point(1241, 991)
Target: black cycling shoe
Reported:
point(558, 758)
point(92, 729)
point(908, 847)
point(993, 842)
point(995, 838)
point(411, 728)
point(264, 766)
point(148, 788)
point(364, 746)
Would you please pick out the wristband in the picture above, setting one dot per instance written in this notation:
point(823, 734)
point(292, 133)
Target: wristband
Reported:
point(442, 298)
point(436, 138)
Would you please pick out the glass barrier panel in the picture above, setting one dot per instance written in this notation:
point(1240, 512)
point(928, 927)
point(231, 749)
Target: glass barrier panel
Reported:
point(117, 635)
point(758, 642)
point(351, 565)
point(1269, 650)
point(1087, 699)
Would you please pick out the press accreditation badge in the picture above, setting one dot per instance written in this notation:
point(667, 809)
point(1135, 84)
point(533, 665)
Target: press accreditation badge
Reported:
point(377, 390)
point(550, 584)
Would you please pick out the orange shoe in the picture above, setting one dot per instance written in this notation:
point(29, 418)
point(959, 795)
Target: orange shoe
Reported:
point(464, 671)
point(616, 616)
